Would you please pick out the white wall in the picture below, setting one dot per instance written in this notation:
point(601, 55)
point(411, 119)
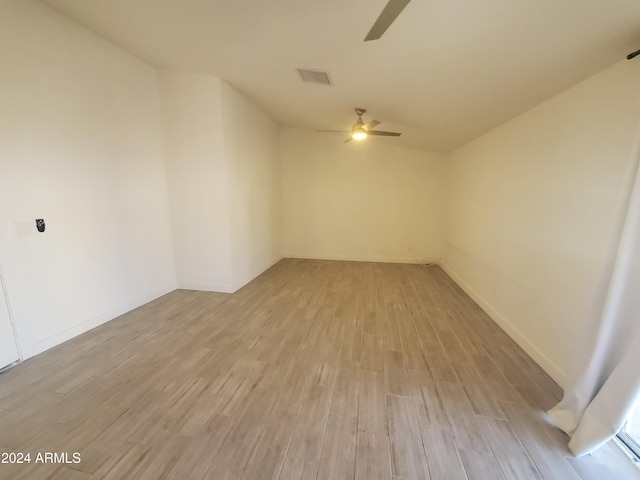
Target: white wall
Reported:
point(81, 147)
point(534, 208)
point(224, 183)
point(368, 200)
point(197, 180)
point(252, 157)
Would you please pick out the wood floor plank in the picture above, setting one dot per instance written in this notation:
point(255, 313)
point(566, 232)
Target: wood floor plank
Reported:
point(407, 453)
point(536, 437)
point(395, 374)
point(372, 353)
point(467, 431)
point(122, 461)
point(337, 461)
point(442, 455)
point(414, 353)
point(390, 336)
point(160, 459)
point(48, 437)
point(511, 366)
point(511, 455)
point(431, 413)
point(78, 438)
point(536, 398)
point(481, 466)
point(18, 429)
point(267, 458)
point(199, 454)
point(238, 446)
point(439, 365)
point(452, 347)
point(481, 397)
point(45, 472)
point(352, 344)
point(424, 328)
point(303, 456)
point(325, 374)
point(611, 463)
point(372, 413)
point(372, 457)
point(338, 458)
point(540, 378)
point(495, 381)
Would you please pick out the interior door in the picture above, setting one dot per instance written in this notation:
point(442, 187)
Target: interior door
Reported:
point(8, 347)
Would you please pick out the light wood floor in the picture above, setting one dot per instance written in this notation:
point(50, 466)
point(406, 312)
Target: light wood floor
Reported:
point(316, 370)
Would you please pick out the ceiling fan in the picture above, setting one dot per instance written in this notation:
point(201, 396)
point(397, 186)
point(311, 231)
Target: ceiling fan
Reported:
point(361, 130)
point(389, 14)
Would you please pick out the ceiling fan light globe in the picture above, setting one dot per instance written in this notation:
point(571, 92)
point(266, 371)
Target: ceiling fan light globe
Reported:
point(358, 132)
point(359, 135)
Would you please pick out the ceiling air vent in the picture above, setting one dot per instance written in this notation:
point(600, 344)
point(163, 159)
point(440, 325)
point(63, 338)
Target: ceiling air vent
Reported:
point(314, 76)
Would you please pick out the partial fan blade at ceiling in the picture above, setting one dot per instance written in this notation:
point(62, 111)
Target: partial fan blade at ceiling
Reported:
point(386, 18)
point(347, 140)
point(371, 124)
point(384, 134)
point(333, 131)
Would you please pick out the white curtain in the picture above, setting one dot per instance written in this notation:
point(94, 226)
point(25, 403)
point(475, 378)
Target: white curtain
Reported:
point(604, 381)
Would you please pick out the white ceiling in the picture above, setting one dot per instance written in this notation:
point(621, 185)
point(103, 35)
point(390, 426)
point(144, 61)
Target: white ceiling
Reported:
point(444, 73)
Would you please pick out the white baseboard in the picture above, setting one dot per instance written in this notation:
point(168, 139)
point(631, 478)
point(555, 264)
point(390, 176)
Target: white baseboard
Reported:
point(365, 258)
point(82, 327)
point(206, 287)
point(540, 358)
point(226, 287)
